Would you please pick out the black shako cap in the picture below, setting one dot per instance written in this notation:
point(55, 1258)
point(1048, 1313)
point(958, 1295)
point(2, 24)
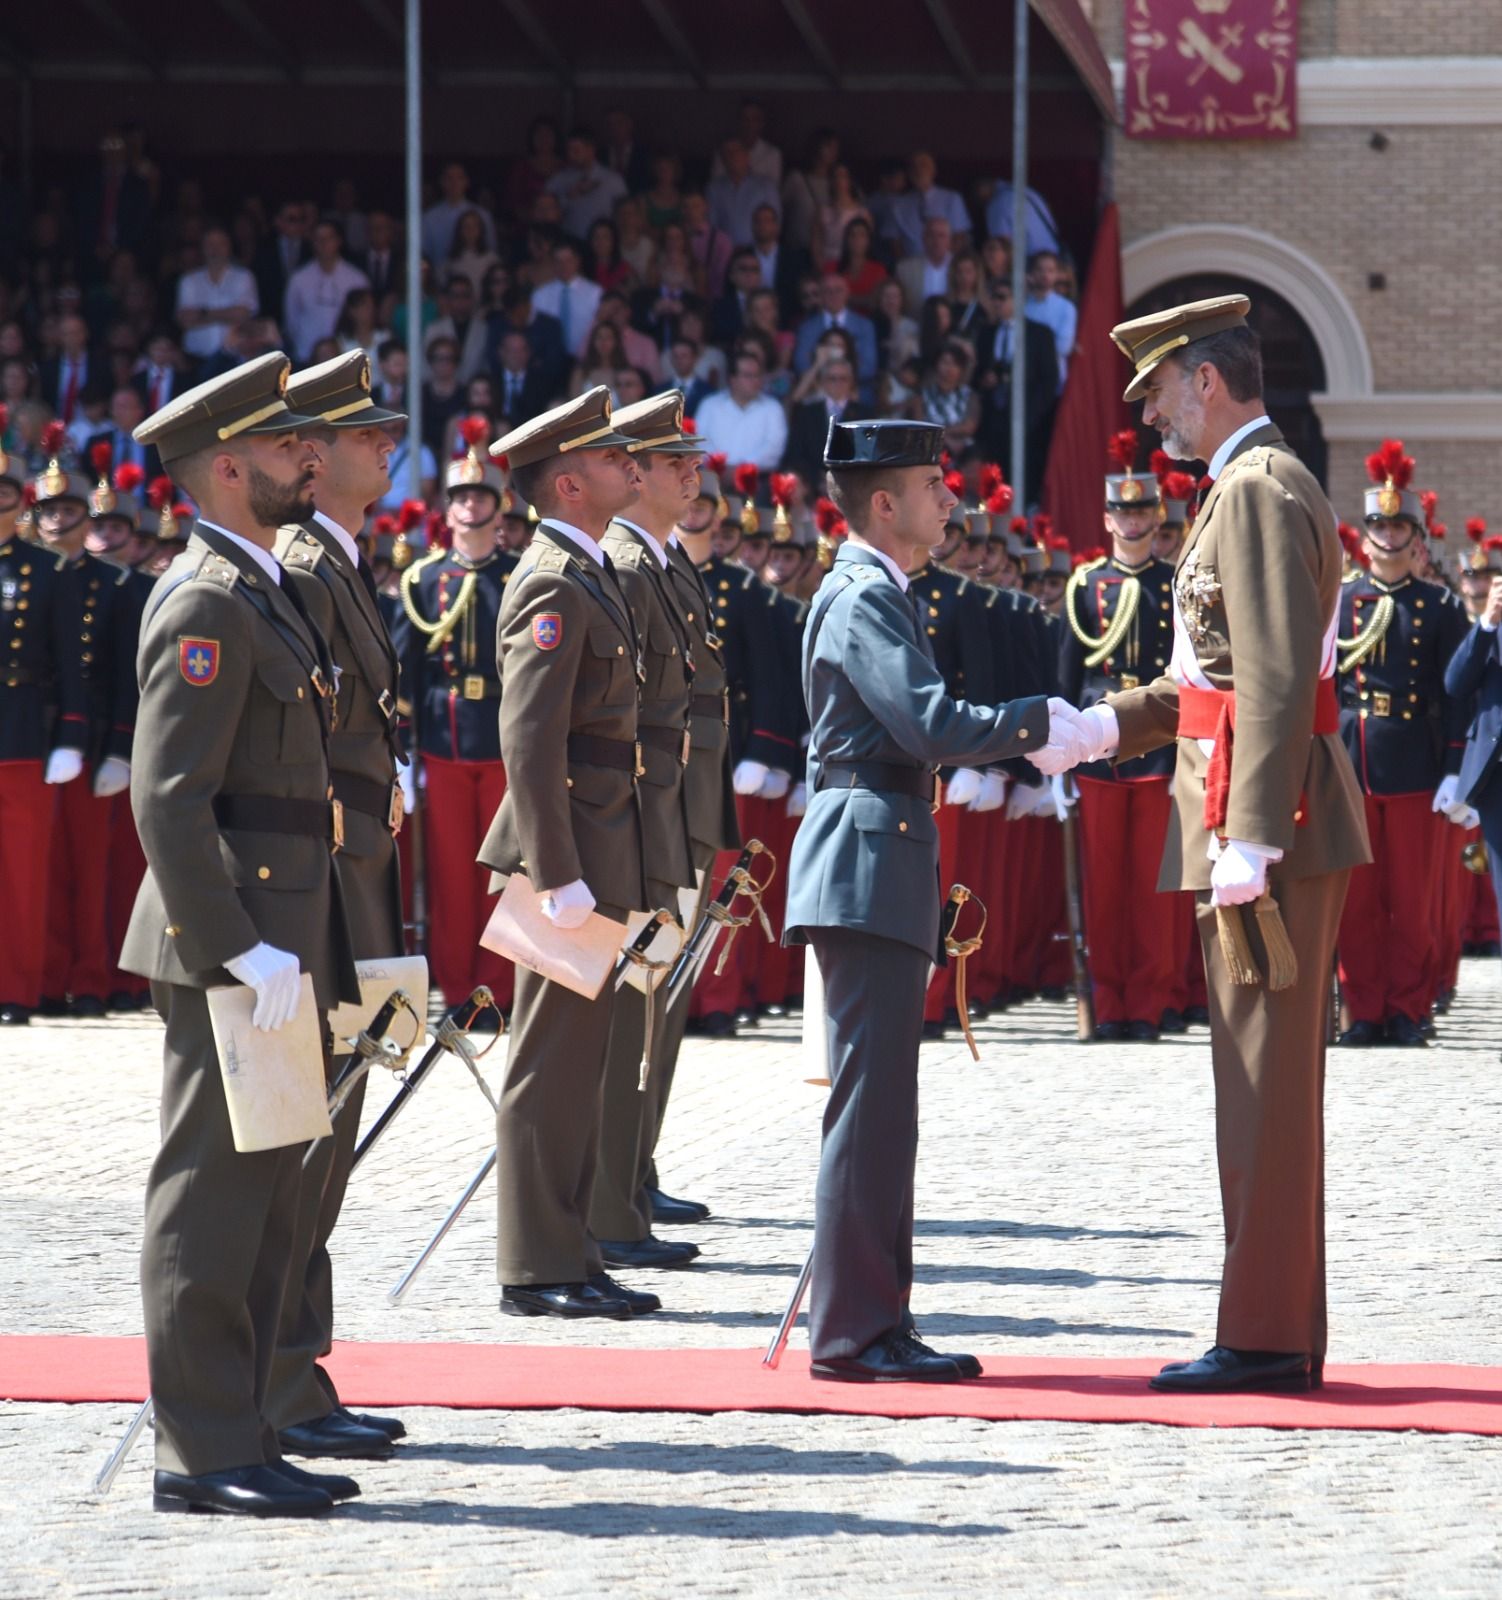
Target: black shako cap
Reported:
point(883, 444)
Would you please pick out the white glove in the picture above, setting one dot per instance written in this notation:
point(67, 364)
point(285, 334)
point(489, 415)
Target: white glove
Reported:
point(993, 792)
point(1023, 801)
point(1061, 798)
point(775, 784)
point(63, 766)
point(1444, 796)
point(273, 974)
point(408, 787)
point(748, 777)
point(1075, 736)
point(569, 907)
point(962, 788)
point(798, 800)
point(112, 777)
point(1239, 874)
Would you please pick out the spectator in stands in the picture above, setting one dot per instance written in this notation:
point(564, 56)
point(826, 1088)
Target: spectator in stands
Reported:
point(606, 265)
point(344, 208)
point(710, 246)
point(600, 361)
point(461, 323)
point(544, 333)
point(316, 291)
point(637, 246)
point(1046, 305)
point(357, 327)
point(114, 206)
point(494, 288)
point(858, 267)
point(572, 298)
point(744, 423)
point(924, 198)
point(63, 377)
point(631, 385)
point(91, 418)
point(971, 313)
point(994, 380)
point(896, 332)
point(835, 344)
point(428, 305)
point(834, 400)
point(1042, 230)
point(925, 275)
point(585, 189)
point(996, 261)
point(682, 373)
point(280, 255)
point(734, 196)
point(674, 286)
point(763, 160)
point(389, 377)
point(17, 379)
point(529, 175)
point(639, 350)
point(806, 191)
point(439, 221)
point(664, 199)
point(159, 373)
point(381, 261)
point(624, 153)
point(780, 267)
point(842, 207)
point(727, 316)
point(126, 413)
point(468, 252)
point(256, 336)
point(834, 312)
point(399, 468)
point(218, 296)
point(521, 391)
point(935, 325)
point(442, 393)
point(764, 319)
point(947, 399)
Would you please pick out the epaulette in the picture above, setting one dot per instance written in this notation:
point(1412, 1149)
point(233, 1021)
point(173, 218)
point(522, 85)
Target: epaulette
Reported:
point(543, 558)
point(305, 552)
point(1259, 456)
point(411, 575)
point(124, 577)
point(1353, 576)
point(627, 552)
point(215, 568)
point(864, 574)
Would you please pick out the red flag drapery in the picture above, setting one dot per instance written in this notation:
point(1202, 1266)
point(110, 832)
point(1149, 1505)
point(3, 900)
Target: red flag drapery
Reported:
point(1091, 408)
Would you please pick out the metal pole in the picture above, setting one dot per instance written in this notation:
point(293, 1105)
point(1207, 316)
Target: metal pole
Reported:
point(1020, 485)
point(414, 249)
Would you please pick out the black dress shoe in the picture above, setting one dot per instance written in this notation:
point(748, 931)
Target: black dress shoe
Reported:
point(561, 1300)
point(86, 1005)
point(333, 1435)
point(1197, 1016)
point(1406, 1032)
point(933, 1032)
point(717, 1025)
point(1110, 1032)
point(51, 1006)
point(648, 1252)
point(668, 1209)
point(1222, 1369)
point(14, 1016)
point(393, 1427)
point(641, 1302)
point(1142, 1032)
point(334, 1484)
point(122, 1000)
point(745, 1018)
point(1489, 948)
point(892, 1358)
point(1443, 1001)
point(1055, 993)
point(968, 1365)
point(258, 1491)
point(1172, 1021)
point(1362, 1034)
point(775, 1012)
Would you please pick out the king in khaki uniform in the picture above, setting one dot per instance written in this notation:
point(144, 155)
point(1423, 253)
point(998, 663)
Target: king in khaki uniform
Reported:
point(1266, 815)
point(230, 789)
point(571, 675)
point(323, 565)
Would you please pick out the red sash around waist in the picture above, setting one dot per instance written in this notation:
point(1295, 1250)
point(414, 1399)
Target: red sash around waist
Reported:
point(1211, 714)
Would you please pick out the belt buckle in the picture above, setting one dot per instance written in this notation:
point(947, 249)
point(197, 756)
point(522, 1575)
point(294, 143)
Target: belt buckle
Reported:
point(387, 704)
point(396, 810)
point(725, 706)
point(1381, 704)
point(936, 799)
point(336, 822)
point(640, 770)
point(319, 682)
point(474, 686)
point(1130, 680)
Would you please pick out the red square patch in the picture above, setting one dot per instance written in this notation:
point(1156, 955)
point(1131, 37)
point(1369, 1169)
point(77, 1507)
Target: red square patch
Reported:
point(547, 630)
point(198, 661)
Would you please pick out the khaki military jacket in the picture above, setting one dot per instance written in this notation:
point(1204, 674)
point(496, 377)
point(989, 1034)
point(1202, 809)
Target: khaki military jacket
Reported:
point(363, 744)
point(567, 650)
point(232, 708)
point(1257, 586)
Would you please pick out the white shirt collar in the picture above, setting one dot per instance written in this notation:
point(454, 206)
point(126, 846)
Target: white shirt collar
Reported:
point(262, 558)
point(652, 544)
point(346, 544)
point(577, 535)
point(899, 577)
point(1223, 455)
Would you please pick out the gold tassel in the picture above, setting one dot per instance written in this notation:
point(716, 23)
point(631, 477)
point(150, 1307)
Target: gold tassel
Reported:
point(1235, 949)
point(648, 999)
point(1282, 961)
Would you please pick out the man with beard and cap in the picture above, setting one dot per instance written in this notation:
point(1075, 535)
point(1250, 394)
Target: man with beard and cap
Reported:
point(1405, 736)
point(230, 788)
point(1266, 810)
point(322, 562)
point(1118, 613)
point(571, 822)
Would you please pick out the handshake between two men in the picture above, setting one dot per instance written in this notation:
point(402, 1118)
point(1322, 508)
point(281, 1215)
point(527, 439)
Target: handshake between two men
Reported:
point(1239, 874)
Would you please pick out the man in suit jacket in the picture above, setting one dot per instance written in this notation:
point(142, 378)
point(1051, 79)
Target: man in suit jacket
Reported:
point(518, 381)
point(380, 260)
point(229, 786)
point(780, 267)
point(808, 427)
point(280, 254)
point(323, 563)
point(1257, 594)
point(834, 312)
point(63, 378)
point(994, 380)
point(864, 885)
point(1475, 676)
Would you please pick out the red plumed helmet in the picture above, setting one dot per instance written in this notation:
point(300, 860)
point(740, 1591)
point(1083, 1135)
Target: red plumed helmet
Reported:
point(1160, 463)
point(384, 525)
point(160, 492)
point(715, 463)
point(826, 514)
point(436, 528)
point(1388, 465)
point(129, 478)
point(1123, 449)
point(475, 431)
point(991, 480)
point(999, 501)
point(411, 515)
point(784, 487)
point(1177, 486)
point(1429, 500)
point(182, 510)
point(1042, 527)
point(1475, 528)
point(1018, 525)
point(955, 483)
point(1493, 543)
point(690, 426)
point(745, 480)
point(54, 437)
point(100, 457)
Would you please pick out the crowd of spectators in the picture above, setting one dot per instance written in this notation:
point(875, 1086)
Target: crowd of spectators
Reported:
point(777, 294)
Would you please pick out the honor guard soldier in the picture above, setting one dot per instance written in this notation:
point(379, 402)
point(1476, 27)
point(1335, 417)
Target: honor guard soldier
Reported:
point(451, 603)
point(1271, 815)
point(1118, 614)
point(571, 821)
point(865, 883)
point(230, 787)
point(43, 731)
point(670, 626)
point(323, 565)
point(1405, 736)
point(78, 964)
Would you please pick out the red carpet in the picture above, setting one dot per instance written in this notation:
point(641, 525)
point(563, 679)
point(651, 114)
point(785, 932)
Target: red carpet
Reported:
point(1434, 1399)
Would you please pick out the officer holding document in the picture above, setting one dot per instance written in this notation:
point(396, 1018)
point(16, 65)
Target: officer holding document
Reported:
point(230, 791)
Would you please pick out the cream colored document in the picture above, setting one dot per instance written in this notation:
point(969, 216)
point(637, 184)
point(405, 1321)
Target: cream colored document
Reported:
point(273, 1082)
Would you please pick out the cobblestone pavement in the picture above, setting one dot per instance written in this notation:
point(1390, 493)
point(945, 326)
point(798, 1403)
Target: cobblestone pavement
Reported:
point(1068, 1206)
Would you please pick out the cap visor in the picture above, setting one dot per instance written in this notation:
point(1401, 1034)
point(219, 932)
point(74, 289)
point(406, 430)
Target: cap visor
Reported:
point(282, 422)
point(371, 416)
point(675, 447)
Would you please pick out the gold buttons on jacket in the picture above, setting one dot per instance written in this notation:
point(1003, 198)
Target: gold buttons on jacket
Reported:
point(173, 930)
point(902, 827)
point(263, 873)
point(1022, 733)
point(620, 649)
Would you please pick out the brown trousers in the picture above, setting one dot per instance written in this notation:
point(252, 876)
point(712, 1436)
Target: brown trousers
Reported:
point(1268, 1052)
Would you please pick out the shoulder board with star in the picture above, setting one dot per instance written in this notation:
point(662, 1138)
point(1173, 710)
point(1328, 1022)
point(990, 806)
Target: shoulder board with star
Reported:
point(305, 552)
point(215, 568)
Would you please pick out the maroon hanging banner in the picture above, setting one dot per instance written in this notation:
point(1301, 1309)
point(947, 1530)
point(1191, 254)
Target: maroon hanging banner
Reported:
point(1211, 69)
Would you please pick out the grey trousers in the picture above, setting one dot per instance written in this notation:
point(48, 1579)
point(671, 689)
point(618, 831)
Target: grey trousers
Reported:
point(863, 1210)
point(218, 1238)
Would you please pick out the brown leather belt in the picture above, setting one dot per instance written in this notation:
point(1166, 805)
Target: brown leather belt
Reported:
point(881, 777)
point(671, 741)
point(366, 796)
point(594, 750)
point(264, 813)
point(712, 705)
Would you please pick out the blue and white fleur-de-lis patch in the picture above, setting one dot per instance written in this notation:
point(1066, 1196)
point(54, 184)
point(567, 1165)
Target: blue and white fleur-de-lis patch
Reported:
point(198, 661)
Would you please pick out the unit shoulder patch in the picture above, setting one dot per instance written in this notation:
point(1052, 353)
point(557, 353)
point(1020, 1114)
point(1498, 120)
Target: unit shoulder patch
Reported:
point(547, 630)
point(197, 660)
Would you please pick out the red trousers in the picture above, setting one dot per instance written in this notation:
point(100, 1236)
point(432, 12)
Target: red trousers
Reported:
point(461, 800)
point(1188, 988)
point(1481, 924)
point(1451, 903)
point(78, 960)
point(1133, 933)
point(127, 866)
point(990, 972)
point(1039, 955)
point(954, 832)
point(26, 813)
point(1387, 960)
